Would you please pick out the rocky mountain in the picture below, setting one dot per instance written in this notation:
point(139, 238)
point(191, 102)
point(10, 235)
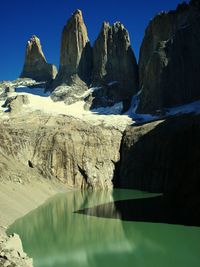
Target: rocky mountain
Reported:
point(114, 65)
point(75, 53)
point(169, 63)
point(110, 65)
point(36, 66)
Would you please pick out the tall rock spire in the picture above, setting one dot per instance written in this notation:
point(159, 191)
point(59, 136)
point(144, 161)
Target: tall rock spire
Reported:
point(36, 66)
point(76, 52)
point(114, 61)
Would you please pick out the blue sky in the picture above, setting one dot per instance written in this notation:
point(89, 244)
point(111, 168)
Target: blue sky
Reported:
point(20, 19)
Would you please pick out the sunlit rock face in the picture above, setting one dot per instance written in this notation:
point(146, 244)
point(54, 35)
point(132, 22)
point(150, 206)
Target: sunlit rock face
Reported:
point(169, 63)
point(114, 64)
point(36, 66)
point(75, 53)
point(110, 65)
point(72, 151)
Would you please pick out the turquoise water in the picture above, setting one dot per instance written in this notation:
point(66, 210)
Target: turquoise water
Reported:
point(55, 236)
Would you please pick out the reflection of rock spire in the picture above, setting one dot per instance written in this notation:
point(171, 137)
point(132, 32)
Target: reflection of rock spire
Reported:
point(54, 230)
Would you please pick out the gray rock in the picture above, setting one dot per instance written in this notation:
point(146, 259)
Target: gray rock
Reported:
point(72, 151)
point(76, 52)
point(36, 66)
point(14, 103)
point(169, 64)
point(11, 252)
point(114, 62)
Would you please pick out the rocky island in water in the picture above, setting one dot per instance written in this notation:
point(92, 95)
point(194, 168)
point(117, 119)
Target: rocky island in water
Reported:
point(115, 140)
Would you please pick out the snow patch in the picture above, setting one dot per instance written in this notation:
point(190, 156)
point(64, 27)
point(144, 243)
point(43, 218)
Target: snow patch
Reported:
point(193, 107)
point(115, 109)
point(41, 102)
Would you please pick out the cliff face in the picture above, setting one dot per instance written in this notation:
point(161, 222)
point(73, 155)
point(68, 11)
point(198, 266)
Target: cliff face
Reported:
point(109, 65)
point(70, 150)
point(36, 66)
point(163, 157)
point(76, 52)
point(169, 59)
point(114, 61)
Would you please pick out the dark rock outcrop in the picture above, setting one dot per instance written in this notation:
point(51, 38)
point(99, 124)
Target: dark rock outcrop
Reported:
point(114, 65)
point(76, 52)
point(36, 66)
point(169, 64)
point(164, 156)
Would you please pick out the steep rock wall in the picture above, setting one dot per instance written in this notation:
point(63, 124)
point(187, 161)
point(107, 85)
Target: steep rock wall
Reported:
point(74, 152)
point(169, 59)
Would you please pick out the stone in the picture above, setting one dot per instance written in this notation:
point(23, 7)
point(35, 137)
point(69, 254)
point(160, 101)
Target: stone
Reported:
point(62, 148)
point(163, 156)
point(12, 253)
point(36, 66)
point(114, 65)
point(76, 52)
point(169, 62)
point(14, 104)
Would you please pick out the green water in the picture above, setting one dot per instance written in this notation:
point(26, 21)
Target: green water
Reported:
point(55, 236)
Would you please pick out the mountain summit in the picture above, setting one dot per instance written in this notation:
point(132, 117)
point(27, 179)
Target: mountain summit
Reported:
point(36, 66)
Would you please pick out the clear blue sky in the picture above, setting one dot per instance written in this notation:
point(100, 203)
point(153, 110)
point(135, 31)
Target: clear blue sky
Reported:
point(20, 19)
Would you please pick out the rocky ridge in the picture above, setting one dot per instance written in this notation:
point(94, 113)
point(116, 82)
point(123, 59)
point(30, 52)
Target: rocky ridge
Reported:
point(36, 66)
point(114, 66)
point(169, 59)
point(110, 65)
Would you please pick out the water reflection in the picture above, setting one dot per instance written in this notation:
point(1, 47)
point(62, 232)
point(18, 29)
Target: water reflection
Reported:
point(55, 236)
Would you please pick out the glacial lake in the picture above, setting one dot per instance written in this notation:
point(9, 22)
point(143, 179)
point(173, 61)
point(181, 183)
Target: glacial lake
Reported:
point(105, 229)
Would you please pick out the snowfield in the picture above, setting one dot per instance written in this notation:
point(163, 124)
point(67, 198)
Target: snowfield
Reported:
point(42, 102)
point(108, 116)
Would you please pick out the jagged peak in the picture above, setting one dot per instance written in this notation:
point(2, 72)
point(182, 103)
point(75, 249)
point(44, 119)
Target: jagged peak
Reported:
point(77, 12)
point(77, 15)
point(118, 24)
point(34, 39)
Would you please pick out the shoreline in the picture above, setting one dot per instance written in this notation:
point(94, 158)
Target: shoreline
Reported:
point(18, 199)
